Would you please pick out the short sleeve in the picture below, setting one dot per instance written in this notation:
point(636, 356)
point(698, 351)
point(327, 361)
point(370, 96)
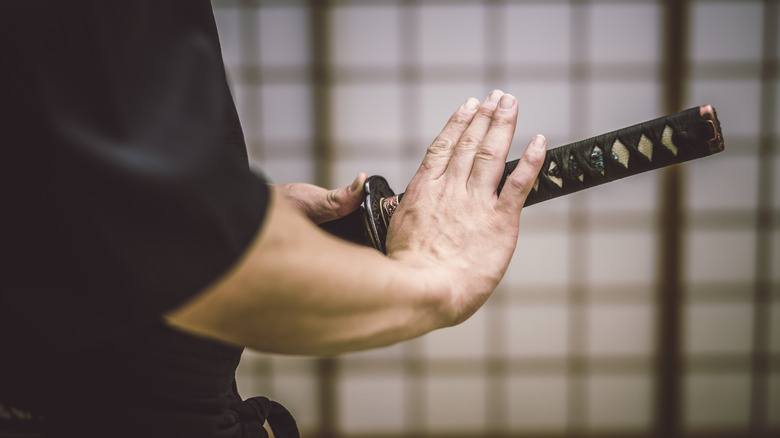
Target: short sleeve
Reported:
point(129, 190)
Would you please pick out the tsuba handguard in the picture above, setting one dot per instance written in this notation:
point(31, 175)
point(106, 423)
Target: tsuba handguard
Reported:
point(673, 139)
point(375, 216)
point(368, 224)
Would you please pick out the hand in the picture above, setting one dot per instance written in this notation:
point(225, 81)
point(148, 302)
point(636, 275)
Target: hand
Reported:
point(321, 205)
point(299, 290)
point(450, 221)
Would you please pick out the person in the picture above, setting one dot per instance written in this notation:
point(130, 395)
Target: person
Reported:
point(142, 254)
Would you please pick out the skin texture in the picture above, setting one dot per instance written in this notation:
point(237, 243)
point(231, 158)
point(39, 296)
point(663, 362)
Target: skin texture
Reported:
point(321, 205)
point(298, 290)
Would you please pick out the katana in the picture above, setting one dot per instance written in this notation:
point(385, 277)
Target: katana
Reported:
point(676, 138)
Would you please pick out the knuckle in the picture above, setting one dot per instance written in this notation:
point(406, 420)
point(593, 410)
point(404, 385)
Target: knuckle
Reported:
point(486, 153)
point(333, 201)
point(461, 118)
point(442, 145)
point(519, 185)
point(486, 113)
point(502, 121)
point(433, 165)
point(468, 142)
point(426, 166)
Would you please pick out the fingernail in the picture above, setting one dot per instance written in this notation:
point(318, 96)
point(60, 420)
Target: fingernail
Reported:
point(494, 96)
point(355, 184)
point(471, 104)
point(507, 101)
point(540, 142)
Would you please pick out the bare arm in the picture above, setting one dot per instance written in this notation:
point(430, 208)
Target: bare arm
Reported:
point(300, 291)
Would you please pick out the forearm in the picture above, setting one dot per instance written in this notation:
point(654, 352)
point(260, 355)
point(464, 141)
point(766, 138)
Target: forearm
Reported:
point(301, 291)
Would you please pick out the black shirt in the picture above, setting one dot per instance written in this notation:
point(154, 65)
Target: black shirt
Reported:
point(126, 191)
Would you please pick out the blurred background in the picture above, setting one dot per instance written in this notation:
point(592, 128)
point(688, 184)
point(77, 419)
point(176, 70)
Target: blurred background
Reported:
point(644, 308)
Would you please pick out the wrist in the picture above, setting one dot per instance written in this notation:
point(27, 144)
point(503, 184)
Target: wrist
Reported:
point(433, 286)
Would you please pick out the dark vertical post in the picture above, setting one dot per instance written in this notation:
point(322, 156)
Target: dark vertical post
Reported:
point(415, 368)
point(249, 71)
point(321, 82)
point(322, 153)
point(762, 289)
point(496, 362)
point(578, 226)
point(670, 263)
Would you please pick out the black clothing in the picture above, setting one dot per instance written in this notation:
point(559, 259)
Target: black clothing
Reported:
point(126, 191)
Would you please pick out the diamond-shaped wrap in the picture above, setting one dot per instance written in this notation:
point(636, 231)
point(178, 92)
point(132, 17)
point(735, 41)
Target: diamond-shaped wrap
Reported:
point(667, 140)
point(658, 143)
point(554, 174)
point(687, 135)
point(620, 153)
point(645, 146)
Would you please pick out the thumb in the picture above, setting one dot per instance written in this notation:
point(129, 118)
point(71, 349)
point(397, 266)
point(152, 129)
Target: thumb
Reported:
point(343, 201)
point(521, 181)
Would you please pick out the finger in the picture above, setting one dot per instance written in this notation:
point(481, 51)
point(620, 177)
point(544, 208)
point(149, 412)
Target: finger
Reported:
point(491, 155)
point(340, 202)
point(521, 181)
point(439, 152)
point(462, 159)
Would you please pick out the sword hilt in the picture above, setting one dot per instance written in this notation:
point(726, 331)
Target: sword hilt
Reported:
point(676, 138)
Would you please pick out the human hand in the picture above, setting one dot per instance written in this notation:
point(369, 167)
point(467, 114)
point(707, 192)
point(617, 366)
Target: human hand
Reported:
point(321, 205)
point(298, 290)
point(450, 222)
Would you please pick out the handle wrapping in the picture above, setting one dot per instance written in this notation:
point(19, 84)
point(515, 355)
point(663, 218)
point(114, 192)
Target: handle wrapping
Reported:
point(676, 138)
point(658, 143)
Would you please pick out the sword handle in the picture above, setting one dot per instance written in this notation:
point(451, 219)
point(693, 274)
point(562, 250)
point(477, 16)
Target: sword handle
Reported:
point(676, 138)
point(687, 135)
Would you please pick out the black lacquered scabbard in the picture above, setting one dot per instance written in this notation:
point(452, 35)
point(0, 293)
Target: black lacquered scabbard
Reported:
point(676, 138)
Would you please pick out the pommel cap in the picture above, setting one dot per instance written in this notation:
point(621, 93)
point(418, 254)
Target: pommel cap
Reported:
point(709, 115)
